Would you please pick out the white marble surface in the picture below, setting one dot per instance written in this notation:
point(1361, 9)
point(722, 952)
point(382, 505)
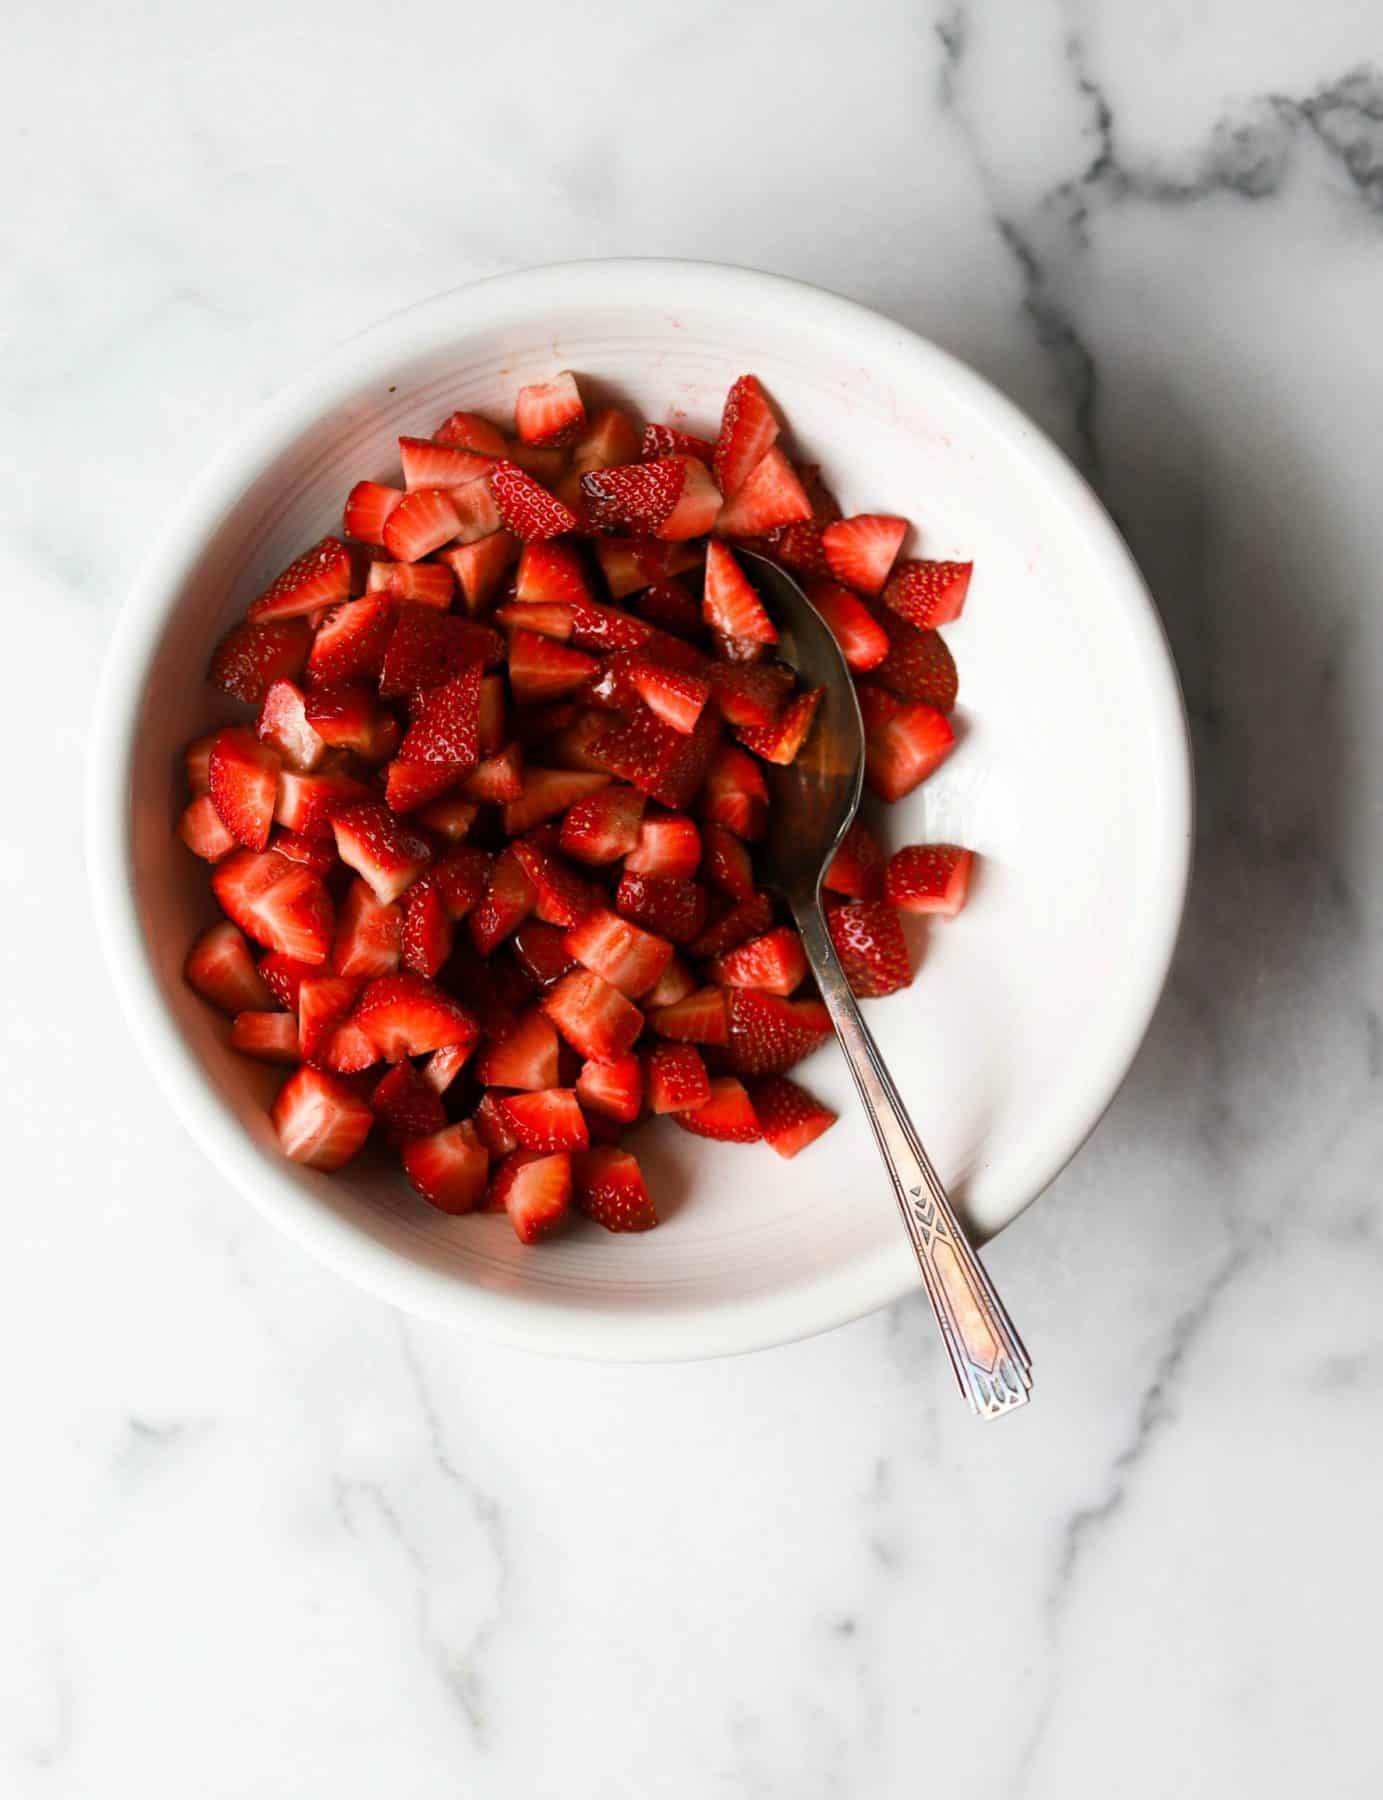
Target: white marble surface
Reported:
point(258, 1535)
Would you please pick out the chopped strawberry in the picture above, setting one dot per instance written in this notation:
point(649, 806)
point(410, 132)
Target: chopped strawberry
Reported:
point(735, 794)
point(293, 913)
point(267, 1036)
point(730, 605)
point(602, 826)
point(750, 693)
point(788, 1116)
point(918, 666)
point(549, 618)
point(727, 1115)
point(594, 1017)
point(626, 956)
point(308, 803)
point(422, 522)
point(776, 963)
point(863, 641)
point(428, 464)
point(197, 763)
point(609, 1188)
point(491, 1126)
point(201, 828)
point(405, 1105)
point(525, 506)
point(676, 1078)
point(797, 547)
point(670, 907)
point(768, 1034)
point(444, 1065)
point(927, 594)
point(747, 433)
point(748, 919)
point(368, 506)
point(541, 951)
point(877, 705)
point(698, 505)
point(541, 669)
point(860, 551)
point(638, 496)
point(550, 412)
point(450, 817)
point(319, 577)
point(450, 1169)
point(550, 573)
point(629, 564)
point(369, 934)
point(563, 898)
point(665, 440)
point(409, 786)
point(613, 1090)
point(499, 779)
point(726, 863)
point(548, 792)
point(219, 966)
point(771, 496)
point(606, 628)
point(446, 725)
point(509, 898)
point(668, 844)
point(250, 658)
point(549, 1120)
point(670, 608)
point(610, 437)
point(929, 878)
point(657, 759)
point(373, 842)
point(571, 747)
point(870, 944)
point(857, 868)
point(427, 926)
point(244, 777)
point(284, 976)
point(318, 853)
point(462, 877)
point(348, 717)
point(480, 567)
point(406, 1015)
point(700, 1018)
point(535, 1190)
point(351, 641)
point(675, 696)
point(283, 724)
point(477, 513)
point(468, 431)
point(674, 984)
point(324, 1004)
point(429, 648)
point(429, 583)
point(525, 1057)
point(780, 743)
point(902, 751)
point(320, 1121)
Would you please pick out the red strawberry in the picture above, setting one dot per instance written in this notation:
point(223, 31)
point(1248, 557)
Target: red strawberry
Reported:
point(540, 669)
point(497, 780)
point(428, 648)
point(509, 899)
point(422, 522)
point(776, 963)
point(780, 743)
point(268, 1036)
point(609, 1188)
point(369, 935)
point(308, 803)
point(535, 1191)
point(450, 1169)
point(202, 830)
point(284, 976)
point(244, 776)
point(320, 1121)
point(667, 845)
point(606, 628)
point(548, 792)
point(670, 607)
point(641, 496)
point(929, 878)
point(877, 705)
point(491, 1126)
point(480, 567)
point(797, 547)
point(546, 617)
point(494, 706)
point(477, 514)
point(405, 1015)
point(603, 826)
point(550, 412)
point(318, 853)
point(749, 919)
point(563, 897)
point(727, 864)
point(610, 437)
point(552, 573)
point(451, 817)
point(595, 1018)
point(525, 1057)
point(348, 717)
point(860, 551)
point(902, 751)
point(673, 909)
point(677, 1078)
point(427, 927)
point(250, 658)
point(750, 693)
point(697, 507)
point(735, 793)
point(525, 506)
point(294, 914)
point(661, 761)
point(570, 746)
point(857, 868)
point(368, 505)
point(319, 577)
point(613, 1090)
point(429, 583)
point(747, 432)
point(675, 696)
point(409, 786)
point(446, 727)
point(674, 984)
point(730, 604)
point(462, 877)
point(468, 431)
point(405, 1105)
point(788, 1116)
point(544, 462)
point(428, 464)
point(351, 641)
point(928, 593)
point(550, 1120)
point(219, 966)
point(628, 958)
point(665, 440)
point(324, 1005)
point(771, 496)
point(918, 665)
point(197, 763)
point(768, 1034)
point(862, 639)
point(727, 1116)
point(373, 842)
point(541, 952)
point(629, 564)
point(283, 724)
point(700, 1018)
point(870, 944)
point(444, 1065)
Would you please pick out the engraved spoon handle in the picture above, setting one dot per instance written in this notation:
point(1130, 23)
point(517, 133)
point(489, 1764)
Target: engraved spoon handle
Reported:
point(986, 1353)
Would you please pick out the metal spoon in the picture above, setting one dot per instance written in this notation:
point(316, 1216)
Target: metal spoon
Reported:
point(815, 798)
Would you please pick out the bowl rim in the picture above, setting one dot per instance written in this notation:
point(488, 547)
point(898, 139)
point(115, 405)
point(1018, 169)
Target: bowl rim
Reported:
point(558, 1327)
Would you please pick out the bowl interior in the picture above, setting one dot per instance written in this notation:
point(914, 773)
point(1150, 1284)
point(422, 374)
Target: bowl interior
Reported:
point(1069, 780)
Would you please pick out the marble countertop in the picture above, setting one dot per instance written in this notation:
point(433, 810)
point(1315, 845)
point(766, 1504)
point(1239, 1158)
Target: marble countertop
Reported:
point(262, 1535)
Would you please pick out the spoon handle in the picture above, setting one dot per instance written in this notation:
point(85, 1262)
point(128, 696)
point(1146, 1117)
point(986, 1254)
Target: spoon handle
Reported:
point(986, 1352)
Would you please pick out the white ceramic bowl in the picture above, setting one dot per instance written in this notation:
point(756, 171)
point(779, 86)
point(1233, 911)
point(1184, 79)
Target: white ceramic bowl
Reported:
point(1072, 780)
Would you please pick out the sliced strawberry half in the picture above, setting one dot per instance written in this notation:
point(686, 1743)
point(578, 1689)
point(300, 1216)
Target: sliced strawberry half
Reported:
point(726, 862)
point(551, 573)
point(638, 496)
point(752, 694)
point(668, 844)
point(919, 666)
point(771, 496)
point(428, 648)
point(775, 963)
point(535, 1190)
point(547, 793)
point(780, 742)
point(429, 583)
point(676, 1078)
point(662, 762)
point(202, 830)
point(477, 512)
point(446, 726)
point(491, 1126)
point(860, 551)
point(405, 1105)
point(929, 878)
point(563, 897)
point(406, 1015)
point(525, 506)
point(462, 877)
point(428, 931)
point(665, 440)
point(428, 464)
point(497, 780)
point(902, 751)
point(250, 658)
point(700, 1018)
point(609, 1188)
point(284, 976)
point(788, 1115)
point(525, 1057)
point(735, 794)
point(469, 431)
point(324, 1005)
point(244, 777)
point(541, 669)
point(371, 840)
point(606, 628)
point(319, 577)
point(369, 934)
point(602, 826)
point(768, 1034)
point(729, 604)
point(727, 1115)
point(747, 919)
point(676, 697)
point(319, 853)
point(410, 786)
point(450, 1168)
point(863, 641)
point(348, 717)
point(320, 1121)
point(550, 412)
point(663, 904)
point(747, 433)
point(368, 506)
point(857, 868)
point(307, 803)
point(422, 522)
point(268, 1036)
point(595, 1018)
point(550, 1120)
point(220, 967)
point(872, 949)
point(284, 725)
point(509, 899)
point(927, 594)
point(628, 957)
point(351, 641)
point(450, 817)
point(613, 1090)
point(480, 567)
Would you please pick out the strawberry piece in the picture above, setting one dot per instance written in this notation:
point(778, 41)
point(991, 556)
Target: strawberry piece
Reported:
point(863, 641)
point(750, 693)
point(902, 751)
point(428, 464)
point(775, 963)
point(268, 1036)
point(307, 804)
point(563, 897)
point(857, 868)
point(928, 594)
point(726, 863)
point(541, 952)
point(595, 1018)
point(468, 431)
point(641, 496)
point(735, 794)
point(480, 567)
point(550, 1120)
point(429, 583)
point(747, 433)
point(348, 717)
point(499, 779)
point(494, 706)
point(427, 927)
point(550, 412)
point(676, 1078)
point(405, 1105)
point(789, 1117)
point(628, 958)
point(671, 608)
point(446, 727)
point(607, 628)
point(202, 830)
point(283, 725)
point(547, 617)
point(609, 1188)
point(444, 1065)
point(351, 641)
point(674, 984)
point(294, 914)
point(602, 826)
point(422, 522)
point(462, 877)
point(665, 905)
point(409, 786)
point(284, 976)
point(525, 1057)
point(729, 604)
point(546, 463)
point(369, 934)
point(877, 705)
point(406, 1015)
point(675, 696)
point(780, 743)
point(613, 686)
point(798, 547)
point(771, 496)
point(428, 649)
point(450, 1169)
point(548, 792)
point(610, 437)
point(477, 514)
point(550, 574)
point(320, 1121)
point(728, 1115)
point(509, 898)
point(491, 1126)
point(368, 506)
point(535, 1190)
point(244, 777)
point(324, 1005)
point(768, 1034)
point(540, 669)
point(748, 919)
point(663, 762)
point(525, 506)
point(918, 665)
point(250, 658)
point(318, 853)
point(613, 1090)
point(451, 817)
point(667, 845)
point(373, 842)
point(860, 551)
point(870, 944)
point(698, 505)
point(929, 878)
point(319, 577)
point(570, 747)
point(219, 966)
point(629, 564)
point(665, 440)
point(701, 1018)
point(197, 763)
